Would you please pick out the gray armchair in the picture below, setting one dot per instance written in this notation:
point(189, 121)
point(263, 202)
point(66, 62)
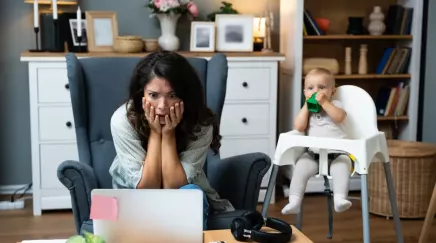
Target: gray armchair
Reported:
point(98, 87)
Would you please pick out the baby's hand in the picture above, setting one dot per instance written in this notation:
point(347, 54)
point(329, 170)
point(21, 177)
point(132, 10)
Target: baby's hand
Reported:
point(321, 98)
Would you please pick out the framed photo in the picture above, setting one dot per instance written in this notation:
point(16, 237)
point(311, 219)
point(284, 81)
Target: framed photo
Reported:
point(234, 32)
point(202, 36)
point(73, 29)
point(102, 29)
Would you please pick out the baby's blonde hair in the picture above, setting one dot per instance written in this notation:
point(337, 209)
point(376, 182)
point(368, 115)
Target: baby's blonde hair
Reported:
point(323, 72)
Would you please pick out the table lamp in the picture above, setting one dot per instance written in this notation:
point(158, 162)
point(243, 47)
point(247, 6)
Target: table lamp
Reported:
point(258, 33)
point(54, 7)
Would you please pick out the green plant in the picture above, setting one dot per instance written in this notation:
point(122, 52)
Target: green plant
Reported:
point(227, 8)
point(89, 238)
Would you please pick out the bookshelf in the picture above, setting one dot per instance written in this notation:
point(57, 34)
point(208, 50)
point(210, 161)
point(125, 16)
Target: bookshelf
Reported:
point(296, 46)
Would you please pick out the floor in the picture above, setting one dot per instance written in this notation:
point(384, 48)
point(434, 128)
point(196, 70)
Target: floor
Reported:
point(20, 225)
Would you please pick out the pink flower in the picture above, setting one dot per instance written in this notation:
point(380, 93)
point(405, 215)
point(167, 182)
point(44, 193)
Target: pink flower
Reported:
point(157, 3)
point(193, 9)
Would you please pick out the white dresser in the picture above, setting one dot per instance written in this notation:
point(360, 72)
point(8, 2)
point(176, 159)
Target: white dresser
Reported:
point(248, 122)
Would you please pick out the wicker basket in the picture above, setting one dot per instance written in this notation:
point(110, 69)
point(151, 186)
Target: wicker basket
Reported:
point(413, 167)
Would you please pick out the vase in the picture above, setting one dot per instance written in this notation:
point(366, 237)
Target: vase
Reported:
point(376, 25)
point(355, 26)
point(168, 40)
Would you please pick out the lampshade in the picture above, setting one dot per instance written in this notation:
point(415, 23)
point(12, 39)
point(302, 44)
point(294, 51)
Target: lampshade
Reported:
point(59, 2)
point(258, 27)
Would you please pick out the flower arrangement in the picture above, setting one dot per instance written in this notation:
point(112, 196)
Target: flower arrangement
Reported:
point(173, 6)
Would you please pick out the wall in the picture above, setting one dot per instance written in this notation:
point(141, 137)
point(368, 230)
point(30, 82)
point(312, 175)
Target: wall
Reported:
point(16, 28)
point(133, 18)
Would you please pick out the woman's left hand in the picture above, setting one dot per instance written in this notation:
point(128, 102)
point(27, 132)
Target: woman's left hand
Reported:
point(174, 118)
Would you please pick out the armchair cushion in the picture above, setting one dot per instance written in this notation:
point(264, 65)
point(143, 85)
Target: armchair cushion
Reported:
point(246, 171)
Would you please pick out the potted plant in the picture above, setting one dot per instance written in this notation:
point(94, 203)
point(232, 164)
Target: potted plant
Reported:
point(226, 8)
point(168, 12)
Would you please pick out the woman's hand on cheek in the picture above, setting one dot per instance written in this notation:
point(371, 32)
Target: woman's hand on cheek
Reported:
point(152, 118)
point(174, 118)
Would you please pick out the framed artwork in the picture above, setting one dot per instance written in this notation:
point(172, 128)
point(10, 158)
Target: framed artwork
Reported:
point(234, 32)
point(102, 28)
point(202, 36)
point(73, 30)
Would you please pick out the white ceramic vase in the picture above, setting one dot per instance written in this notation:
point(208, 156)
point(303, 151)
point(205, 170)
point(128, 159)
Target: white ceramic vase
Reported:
point(168, 40)
point(376, 24)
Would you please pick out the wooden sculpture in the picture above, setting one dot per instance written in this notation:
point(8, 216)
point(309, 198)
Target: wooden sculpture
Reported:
point(347, 60)
point(362, 59)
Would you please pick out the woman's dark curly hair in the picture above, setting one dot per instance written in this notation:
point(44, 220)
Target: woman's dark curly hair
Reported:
point(188, 87)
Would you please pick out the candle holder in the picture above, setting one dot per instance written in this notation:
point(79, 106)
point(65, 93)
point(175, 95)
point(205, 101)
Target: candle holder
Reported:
point(36, 30)
point(79, 39)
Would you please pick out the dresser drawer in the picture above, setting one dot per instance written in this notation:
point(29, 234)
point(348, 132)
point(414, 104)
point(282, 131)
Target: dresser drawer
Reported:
point(56, 123)
point(245, 119)
point(248, 84)
point(53, 85)
point(51, 156)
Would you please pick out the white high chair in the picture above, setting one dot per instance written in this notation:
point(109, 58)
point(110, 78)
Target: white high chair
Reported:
point(366, 144)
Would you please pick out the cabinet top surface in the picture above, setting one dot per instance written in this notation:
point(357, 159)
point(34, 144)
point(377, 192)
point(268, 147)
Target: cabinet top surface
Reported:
point(56, 56)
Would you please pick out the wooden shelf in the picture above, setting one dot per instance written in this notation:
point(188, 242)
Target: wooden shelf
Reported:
point(373, 76)
point(392, 118)
point(358, 37)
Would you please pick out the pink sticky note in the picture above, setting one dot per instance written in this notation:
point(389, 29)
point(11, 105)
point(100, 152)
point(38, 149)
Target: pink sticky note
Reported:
point(105, 208)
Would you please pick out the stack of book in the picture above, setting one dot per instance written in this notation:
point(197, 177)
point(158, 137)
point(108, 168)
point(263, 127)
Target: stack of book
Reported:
point(392, 101)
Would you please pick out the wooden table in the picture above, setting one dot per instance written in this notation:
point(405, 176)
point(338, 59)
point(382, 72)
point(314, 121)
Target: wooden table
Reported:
point(226, 235)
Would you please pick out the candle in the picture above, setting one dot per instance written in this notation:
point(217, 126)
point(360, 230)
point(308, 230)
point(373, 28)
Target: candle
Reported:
point(79, 22)
point(35, 14)
point(55, 9)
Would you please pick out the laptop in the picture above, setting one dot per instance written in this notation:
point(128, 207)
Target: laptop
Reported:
point(152, 215)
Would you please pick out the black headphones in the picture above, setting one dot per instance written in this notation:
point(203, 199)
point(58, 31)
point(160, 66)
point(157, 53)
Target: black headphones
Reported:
point(249, 224)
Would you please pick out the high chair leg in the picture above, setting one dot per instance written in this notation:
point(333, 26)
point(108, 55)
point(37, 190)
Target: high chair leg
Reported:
point(394, 208)
point(271, 184)
point(328, 192)
point(300, 217)
point(365, 208)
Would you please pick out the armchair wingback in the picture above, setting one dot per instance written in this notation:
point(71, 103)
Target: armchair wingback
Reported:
point(98, 87)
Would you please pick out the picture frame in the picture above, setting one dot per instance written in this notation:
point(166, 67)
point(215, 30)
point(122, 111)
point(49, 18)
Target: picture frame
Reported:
point(202, 36)
point(73, 31)
point(102, 30)
point(234, 32)
point(68, 26)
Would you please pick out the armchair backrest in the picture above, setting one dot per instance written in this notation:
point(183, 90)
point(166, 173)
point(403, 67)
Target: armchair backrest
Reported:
point(361, 119)
point(98, 86)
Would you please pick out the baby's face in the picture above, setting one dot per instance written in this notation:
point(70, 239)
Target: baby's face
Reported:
point(318, 83)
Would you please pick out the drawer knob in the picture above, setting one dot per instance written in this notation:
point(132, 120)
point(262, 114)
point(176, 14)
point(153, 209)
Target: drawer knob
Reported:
point(244, 120)
point(68, 124)
point(67, 86)
point(244, 84)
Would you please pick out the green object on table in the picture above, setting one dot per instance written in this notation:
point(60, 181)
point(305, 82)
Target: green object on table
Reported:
point(88, 238)
point(312, 104)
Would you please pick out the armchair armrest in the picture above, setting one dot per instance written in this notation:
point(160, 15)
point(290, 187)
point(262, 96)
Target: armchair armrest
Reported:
point(80, 180)
point(238, 178)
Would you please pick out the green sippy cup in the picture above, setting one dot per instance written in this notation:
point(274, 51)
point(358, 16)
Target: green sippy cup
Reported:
point(312, 104)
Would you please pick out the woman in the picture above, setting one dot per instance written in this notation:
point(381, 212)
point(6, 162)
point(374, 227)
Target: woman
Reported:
point(164, 131)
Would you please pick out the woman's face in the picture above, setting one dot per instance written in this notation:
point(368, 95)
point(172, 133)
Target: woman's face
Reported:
point(159, 93)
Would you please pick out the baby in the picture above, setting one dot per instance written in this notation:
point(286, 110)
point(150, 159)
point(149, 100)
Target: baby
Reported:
point(326, 123)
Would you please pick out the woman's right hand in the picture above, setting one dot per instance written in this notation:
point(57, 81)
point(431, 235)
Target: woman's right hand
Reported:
point(152, 118)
